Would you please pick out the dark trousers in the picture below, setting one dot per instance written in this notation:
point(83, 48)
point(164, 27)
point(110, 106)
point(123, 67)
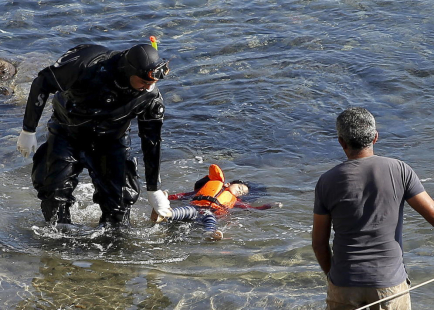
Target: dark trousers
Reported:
point(60, 160)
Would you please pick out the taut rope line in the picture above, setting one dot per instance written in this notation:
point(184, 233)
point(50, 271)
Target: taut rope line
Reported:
point(396, 295)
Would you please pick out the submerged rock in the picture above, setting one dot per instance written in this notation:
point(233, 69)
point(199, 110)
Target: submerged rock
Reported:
point(7, 71)
point(17, 74)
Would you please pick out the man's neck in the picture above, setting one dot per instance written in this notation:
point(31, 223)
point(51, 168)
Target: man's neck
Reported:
point(358, 154)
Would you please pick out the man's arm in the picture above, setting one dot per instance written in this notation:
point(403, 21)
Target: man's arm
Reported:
point(424, 205)
point(58, 77)
point(150, 124)
point(150, 134)
point(36, 101)
point(320, 240)
point(40, 89)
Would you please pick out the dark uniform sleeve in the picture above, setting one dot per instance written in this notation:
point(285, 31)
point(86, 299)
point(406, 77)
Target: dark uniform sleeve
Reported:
point(40, 90)
point(150, 124)
point(58, 77)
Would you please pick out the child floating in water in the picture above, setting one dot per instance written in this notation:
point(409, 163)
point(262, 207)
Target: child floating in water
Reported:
point(211, 197)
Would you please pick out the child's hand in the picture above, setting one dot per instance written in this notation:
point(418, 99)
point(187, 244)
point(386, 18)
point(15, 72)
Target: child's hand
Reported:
point(278, 205)
point(273, 205)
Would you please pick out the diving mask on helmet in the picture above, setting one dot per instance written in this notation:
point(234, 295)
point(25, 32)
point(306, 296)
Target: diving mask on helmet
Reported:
point(157, 73)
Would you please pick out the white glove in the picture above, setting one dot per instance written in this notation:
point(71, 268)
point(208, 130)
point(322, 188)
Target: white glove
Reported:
point(159, 202)
point(27, 143)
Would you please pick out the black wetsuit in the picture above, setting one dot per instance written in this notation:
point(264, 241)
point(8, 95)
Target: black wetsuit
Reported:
point(93, 107)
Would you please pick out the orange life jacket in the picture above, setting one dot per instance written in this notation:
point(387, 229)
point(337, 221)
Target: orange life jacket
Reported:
point(213, 194)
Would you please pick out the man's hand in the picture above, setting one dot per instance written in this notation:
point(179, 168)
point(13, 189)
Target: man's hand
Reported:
point(159, 202)
point(27, 143)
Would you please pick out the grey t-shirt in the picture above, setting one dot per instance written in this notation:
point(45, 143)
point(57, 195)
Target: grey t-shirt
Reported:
point(365, 199)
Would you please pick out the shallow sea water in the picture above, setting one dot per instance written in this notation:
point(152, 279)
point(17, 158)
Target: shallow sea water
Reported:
point(254, 87)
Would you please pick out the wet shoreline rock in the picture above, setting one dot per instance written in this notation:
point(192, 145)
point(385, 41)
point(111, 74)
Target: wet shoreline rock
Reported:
point(17, 74)
point(7, 72)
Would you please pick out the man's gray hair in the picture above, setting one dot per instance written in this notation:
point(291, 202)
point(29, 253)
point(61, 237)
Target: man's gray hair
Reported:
point(356, 126)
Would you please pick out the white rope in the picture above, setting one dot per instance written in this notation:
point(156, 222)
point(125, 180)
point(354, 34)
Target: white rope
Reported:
point(396, 295)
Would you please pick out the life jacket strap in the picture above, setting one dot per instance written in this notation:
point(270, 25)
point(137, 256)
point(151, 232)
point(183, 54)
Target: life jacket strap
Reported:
point(207, 198)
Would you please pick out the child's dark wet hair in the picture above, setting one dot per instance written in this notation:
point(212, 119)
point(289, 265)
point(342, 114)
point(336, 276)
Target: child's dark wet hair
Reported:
point(240, 182)
point(256, 190)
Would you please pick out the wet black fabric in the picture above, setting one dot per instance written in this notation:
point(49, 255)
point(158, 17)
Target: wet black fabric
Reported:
point(58, 163)
point(93, 107)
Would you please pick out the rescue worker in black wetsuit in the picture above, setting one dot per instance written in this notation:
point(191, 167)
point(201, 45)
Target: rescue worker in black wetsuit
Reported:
point(97, 94)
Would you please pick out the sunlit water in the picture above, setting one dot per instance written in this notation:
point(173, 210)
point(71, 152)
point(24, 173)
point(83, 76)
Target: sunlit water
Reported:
point(255, 87)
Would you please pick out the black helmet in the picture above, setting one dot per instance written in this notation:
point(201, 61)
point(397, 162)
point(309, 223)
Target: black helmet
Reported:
point(143, 60)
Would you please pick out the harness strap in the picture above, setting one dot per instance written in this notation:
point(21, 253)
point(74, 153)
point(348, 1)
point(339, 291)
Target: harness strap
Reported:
point(208, 198)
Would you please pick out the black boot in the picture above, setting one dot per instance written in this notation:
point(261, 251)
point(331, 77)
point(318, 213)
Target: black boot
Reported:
point(56, 212)
point(63, 215)
point(118, 219)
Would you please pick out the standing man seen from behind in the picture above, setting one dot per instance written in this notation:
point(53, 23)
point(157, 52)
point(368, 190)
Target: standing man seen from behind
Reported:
point(364, 199)
point(97, 94)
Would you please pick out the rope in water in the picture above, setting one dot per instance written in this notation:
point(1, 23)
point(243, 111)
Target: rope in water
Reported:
point(396, 295)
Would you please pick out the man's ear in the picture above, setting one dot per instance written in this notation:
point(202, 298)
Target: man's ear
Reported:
point(376, 138)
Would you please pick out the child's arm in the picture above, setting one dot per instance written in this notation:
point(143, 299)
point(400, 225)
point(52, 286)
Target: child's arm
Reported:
point(181, 196)
point(244, 205)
